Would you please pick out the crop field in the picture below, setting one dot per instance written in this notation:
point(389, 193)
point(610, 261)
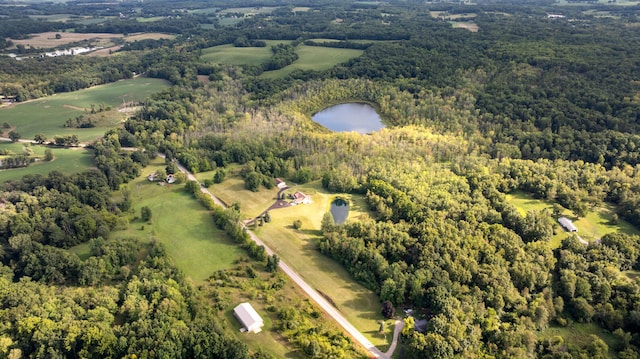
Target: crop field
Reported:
point(182, 225)
point(65, 160)
point(593, 226)
point(298, 247)
point(48, 39)
point(48, 115)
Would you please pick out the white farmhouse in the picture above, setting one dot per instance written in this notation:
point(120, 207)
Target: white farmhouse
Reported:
point(249, 318)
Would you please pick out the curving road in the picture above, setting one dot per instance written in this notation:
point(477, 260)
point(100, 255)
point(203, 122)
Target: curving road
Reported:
point(314, 295)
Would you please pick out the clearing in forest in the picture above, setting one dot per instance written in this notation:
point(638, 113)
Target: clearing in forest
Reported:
point(65, 160)
point(298, 248)
point(48, 40)
point(591, 227)
point(181, 224)
point(48, 115)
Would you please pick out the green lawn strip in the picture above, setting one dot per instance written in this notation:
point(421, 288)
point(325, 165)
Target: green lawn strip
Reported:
point(82, 250)
point(48, 115)
point(578, 334)
point(65, 160)
point(182, 225)
point(593, 226)
point(315, 58)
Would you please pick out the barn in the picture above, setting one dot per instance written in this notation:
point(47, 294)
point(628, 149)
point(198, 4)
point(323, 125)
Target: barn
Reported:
point(567, 224)
point(249, 318)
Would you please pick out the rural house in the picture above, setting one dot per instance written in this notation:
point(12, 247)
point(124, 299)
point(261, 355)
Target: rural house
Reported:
point(300, 197)
point(249, 318)
point(567, 224)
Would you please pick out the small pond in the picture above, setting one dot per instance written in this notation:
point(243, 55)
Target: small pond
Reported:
point(348, 117)
point(339, 210)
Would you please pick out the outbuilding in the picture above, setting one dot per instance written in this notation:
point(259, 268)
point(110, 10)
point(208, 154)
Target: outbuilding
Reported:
point(249, 318)
point(567, 224)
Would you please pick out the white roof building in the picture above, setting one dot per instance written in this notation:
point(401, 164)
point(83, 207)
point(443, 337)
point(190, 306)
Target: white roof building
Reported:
point(567, 224)
point(249, 318)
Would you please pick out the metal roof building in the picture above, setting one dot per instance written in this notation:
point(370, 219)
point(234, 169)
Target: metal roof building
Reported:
point(567, 224)
point(250, 319)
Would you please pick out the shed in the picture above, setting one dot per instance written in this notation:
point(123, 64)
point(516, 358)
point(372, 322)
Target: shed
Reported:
point(300, 197)
point(567, 224)
point(280, 183)
point(248, 317)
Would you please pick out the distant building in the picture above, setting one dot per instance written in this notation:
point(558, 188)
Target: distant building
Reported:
point(249, 318)
point(152, 177)
point(170, 179)
point(280, 183)
point(555, 16)
point(567, 224)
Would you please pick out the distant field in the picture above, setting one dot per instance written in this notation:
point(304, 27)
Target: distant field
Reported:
point(229, 54)
point(249, 10)
point(593, 226)
point(208, 10)
point(182, 224)
point(473, 27)
point(66, 160)
point(604, 2)
point(48, 115)
point(298, 247)
point(315, 58)
point(48, 39)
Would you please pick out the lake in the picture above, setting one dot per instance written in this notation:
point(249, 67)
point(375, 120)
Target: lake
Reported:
point(339, 210)
point(348, 117)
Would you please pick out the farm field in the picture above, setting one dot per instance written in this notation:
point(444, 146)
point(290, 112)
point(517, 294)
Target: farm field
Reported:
point(49, 114)
point(593, 226)
point(248, 11)
point(66, 160)
point(48, 39)
point(310, 57)
point(182, 225)
point(229, 54)
point(315, 58)
point(298, 247)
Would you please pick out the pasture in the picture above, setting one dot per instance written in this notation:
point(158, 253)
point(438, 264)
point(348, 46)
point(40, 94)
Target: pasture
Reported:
point(229, 54)
point(48, 115)
point(298, 247)
point(182, 225)
point(593, 226)
point(65, 160)
point(315, 58)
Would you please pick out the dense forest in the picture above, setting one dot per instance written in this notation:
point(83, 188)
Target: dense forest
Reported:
point(548, 107)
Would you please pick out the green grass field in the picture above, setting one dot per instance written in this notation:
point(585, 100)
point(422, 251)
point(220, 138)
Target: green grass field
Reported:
point(593, 226)
point(297, 248)
point(182, 224)
point(229, 54)
point(310, 57)
point(315, 58)
point(66, 160)
point(48, 115)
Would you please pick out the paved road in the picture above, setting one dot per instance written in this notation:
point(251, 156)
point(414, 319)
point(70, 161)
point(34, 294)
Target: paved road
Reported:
point(315, 296)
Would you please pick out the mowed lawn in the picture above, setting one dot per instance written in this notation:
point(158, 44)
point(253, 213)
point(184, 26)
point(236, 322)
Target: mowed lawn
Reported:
point(66, 160)
point(298, 248)
point(182, 224)
point(593, 226)
point(48, 115)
